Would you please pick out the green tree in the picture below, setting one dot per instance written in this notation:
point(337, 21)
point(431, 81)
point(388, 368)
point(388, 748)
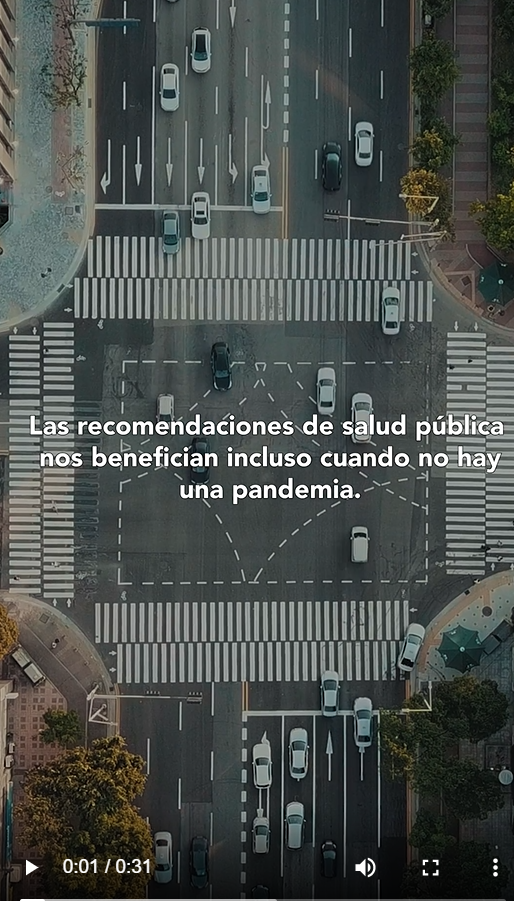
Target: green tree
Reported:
point(430, 834)
point(433, 67)
point(63, 76)
point(465, 872)
point(81, 805)
point(437, 8)
point(470, 708)
point(421, 187)
point(496, 219)
point(9, 632)
point(434, 147)
point(469, 792)
point(62, 728)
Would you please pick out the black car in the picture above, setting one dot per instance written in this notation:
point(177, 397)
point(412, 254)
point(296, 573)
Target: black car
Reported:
point(328, 859)
point(220, 365)
point(199, 862)
point(199, 474)
point(260, 891)
point(331, 166)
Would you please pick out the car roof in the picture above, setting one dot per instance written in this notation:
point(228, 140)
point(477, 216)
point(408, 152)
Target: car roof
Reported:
point(262, 749)
point(295, 808)
point(165, 403)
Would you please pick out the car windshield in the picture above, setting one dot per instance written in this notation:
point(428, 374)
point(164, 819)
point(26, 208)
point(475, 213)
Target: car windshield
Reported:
point(261, 761)
point(362, 405)
point(363, 715)
point(298, 746)
point(170, 238)
point(407, 661)
point(200, 217)
point(199, 862)
point(162, 867)
point(330, 685)
point(261, 830)
point(169, 92)
point(261, 195)
point(295, 820)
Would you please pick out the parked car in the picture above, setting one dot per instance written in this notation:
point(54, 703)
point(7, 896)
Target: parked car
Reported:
point(364, 137)
point(170, 232)
point(261, 189)
point(295, 825)
point(391, 311)
point(411, 646)
point(298, 753)
point(199, 475)
point(326, 390)
point(170, 87)
point(163, 853)
point(201, 50)
point(328, 859)
point(199, 862)
point(329, 693)
point(221, 366)
point(261, 764)
point(363, 722)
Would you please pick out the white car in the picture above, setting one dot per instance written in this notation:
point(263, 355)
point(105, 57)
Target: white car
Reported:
point(170, 87)
point(260, 835)
point(165, 408)
point(364, 136)
point(200, 215)
point(329, 693)
point(362, 408)
point(391, 311)
point(295, 824)
point(326, 390)
point(261, 189)
point(298, 753)
point(261, 761)
point(163, 852)
point(201, 50)
point(363, 722)
point(411, 647)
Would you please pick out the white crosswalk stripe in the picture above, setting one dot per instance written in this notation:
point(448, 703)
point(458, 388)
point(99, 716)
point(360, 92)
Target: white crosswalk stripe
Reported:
point(249, 280)
point(41, 502)
point(479, 504)
point(262, 640)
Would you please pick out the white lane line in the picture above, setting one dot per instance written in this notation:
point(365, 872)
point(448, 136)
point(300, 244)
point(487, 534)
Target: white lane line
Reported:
point(381, 164)
point(350, 43)
point(349, 123)
point(147, 756)
point(381, 84)
point(316, 85)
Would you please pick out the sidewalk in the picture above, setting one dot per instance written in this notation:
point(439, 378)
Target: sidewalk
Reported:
point(71, 671)
point(456, 266)
point(481, 608)
point(51, 213)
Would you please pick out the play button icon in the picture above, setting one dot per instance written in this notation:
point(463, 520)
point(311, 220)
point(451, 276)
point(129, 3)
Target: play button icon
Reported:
point(30, 867)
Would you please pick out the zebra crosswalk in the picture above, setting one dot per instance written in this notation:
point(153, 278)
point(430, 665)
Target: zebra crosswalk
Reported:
point(41, 501)
point(249, 280)
point(261, 640)
point(479, 504)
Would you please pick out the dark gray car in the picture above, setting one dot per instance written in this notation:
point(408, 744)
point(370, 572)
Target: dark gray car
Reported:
point(170, 232)
point(331, 166)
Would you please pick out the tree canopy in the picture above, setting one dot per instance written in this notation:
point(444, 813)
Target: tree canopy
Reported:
point(433, 68)
point(433, 148)
point(470, 708)
point(496, 219)
point(80, 805)
point(62, 728)
point(9, 632)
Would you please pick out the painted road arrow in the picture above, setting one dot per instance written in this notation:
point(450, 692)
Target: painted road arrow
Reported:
point(138, 167)
point(169, 164)
point(329, 751)
point(106, 177)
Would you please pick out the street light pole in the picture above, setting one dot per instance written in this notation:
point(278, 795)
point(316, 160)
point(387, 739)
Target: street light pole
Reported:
point(421, 197)
point(334, 216)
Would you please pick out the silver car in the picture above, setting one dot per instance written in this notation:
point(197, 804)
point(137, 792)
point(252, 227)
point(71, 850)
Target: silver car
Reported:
point(391, 311)
point(329, 693)
point(170, 87)
point(295, 825)
point(163, 852)
point(261, 190)
point(261, 762)
point(326, 390)
point(362, 408)
point(363, 723)
point(201, 50)
point(200, 215)
point(298, 753)
point(411, 647)
point(165, 408)
point(260, 835)
point(170, 232)
point(364, 136)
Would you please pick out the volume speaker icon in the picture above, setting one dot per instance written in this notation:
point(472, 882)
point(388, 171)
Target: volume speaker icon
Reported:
point(367, 867)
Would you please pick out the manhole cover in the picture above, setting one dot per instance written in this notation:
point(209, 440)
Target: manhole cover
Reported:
point(486, 611)
point(44, 617)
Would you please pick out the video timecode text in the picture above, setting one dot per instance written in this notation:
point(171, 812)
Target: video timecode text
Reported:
point(85, 866)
